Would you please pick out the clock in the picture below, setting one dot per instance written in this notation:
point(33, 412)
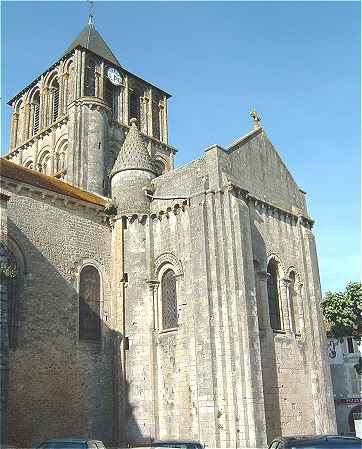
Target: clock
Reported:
point(114, 76)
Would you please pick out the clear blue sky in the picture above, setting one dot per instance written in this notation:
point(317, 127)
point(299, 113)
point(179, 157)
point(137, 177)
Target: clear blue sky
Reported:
point(296, 63)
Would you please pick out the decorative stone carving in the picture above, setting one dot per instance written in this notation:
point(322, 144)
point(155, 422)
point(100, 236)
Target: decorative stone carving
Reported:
point(171, 259)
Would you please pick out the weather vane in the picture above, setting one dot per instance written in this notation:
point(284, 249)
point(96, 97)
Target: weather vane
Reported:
point(91, 9)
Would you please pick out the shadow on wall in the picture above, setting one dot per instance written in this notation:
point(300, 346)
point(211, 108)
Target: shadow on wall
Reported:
point(267, 346)
point(61, 386)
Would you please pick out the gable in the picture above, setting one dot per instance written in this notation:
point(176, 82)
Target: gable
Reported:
point(256, 165)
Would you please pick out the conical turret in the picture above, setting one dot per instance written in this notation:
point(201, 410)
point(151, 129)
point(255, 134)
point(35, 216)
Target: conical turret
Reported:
point(131, 173)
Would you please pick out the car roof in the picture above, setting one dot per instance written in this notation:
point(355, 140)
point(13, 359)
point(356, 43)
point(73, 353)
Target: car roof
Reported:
point(300, 439)
point(68, 440)
point(175, 442)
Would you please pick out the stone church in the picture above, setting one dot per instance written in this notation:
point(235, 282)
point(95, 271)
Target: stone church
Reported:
point(150, 301)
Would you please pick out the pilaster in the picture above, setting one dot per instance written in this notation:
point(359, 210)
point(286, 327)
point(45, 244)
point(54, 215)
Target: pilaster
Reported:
point(322, 393)
point(247, 323)
point(201, 290)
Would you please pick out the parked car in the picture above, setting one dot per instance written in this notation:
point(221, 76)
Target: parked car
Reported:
point(176, 444)
point(316, 442)
point(71, 443)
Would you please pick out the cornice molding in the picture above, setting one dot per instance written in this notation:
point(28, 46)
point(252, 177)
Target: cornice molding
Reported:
point(42, 133)
point(56, 198)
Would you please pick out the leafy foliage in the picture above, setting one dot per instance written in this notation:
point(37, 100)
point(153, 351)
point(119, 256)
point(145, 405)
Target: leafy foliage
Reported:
point(343, 312)
point(6, 269)
point(110, 209)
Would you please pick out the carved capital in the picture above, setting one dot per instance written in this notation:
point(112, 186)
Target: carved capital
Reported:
point(285, 282)
point(262, 275)
point(153, 284)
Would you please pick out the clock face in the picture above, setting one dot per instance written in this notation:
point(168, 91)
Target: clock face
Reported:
point(114, 76)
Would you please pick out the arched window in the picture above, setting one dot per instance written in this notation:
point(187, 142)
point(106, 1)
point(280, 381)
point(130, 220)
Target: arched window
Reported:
point(89, 304)
point(90, 78)
point(134, 106)
point(28, 164)
point(36, 112)
point(55, 100)
point(60, 160)
point(155, 120)
point(169, 300)
point(273, 295)
point(44, 163)
point(111, 97)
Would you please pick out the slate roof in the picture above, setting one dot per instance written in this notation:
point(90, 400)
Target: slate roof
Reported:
point(18, 173)
point(133, 154)
point(90, 39)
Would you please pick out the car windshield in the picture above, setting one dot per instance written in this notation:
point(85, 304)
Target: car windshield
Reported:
point(63, 445)
point(329, 446)
point(178, 445)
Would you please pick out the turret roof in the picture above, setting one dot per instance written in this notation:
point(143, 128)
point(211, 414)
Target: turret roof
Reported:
point(133, 155)
point(90, 39)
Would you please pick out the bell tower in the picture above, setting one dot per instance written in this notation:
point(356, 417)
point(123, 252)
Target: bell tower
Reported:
point(71, 121)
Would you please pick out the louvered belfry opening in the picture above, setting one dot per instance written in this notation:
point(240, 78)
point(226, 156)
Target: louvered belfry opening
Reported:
point(111, 97)
point(156, 120)
point(36, 112)
point(90, 81)
point(55, 108)
point(134, 105)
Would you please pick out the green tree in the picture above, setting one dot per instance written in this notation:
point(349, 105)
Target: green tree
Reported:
point(343, 312)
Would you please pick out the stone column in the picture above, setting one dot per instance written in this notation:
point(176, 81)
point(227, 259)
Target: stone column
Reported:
point(126, 101)
point(285, 304)
point(165, 124)
point(82, 72)
point(25, 130)
point(14, 130)
point(4, 333)
point(262, 301)
point(102, 80)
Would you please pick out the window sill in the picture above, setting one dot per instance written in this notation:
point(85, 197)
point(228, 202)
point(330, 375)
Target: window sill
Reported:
point(279, 331)
point(167, 331)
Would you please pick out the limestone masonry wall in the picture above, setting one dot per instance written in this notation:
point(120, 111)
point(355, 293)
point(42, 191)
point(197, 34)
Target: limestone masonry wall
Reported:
point(55, 379)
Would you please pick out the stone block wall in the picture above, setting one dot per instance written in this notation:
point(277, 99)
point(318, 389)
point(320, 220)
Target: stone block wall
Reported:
point(59, 385)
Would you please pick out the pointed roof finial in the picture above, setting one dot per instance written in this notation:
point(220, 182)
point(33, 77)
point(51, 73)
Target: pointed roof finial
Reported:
point(91, 15)
point(256, 119)
point(133, 154)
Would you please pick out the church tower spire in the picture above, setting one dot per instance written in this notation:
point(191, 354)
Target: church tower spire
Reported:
point(132, 172)
point(72, 120)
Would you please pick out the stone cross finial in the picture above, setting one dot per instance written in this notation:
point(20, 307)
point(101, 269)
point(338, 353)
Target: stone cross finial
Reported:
point(256, 119)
